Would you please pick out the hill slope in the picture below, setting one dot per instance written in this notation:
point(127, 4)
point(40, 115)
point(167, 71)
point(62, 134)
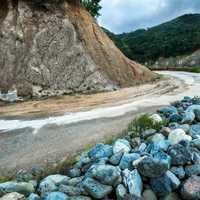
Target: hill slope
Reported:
point(54, 47)
point(177, 37)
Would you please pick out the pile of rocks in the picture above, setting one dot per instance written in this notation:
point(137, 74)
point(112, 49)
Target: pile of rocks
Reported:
point(162, 164)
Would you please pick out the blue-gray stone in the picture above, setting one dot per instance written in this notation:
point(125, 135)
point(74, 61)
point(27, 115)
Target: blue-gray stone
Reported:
point(192, 170)
point(33, 197)
point(178, 171)
point(22, 188)
point(195, 131)
point(163, 157)
point(115, 159)
point(165, 184)
point(96, 189)
point(75, 172)
point(134, 183)
point(152, 167)
point(175, 118)
point(70, 190)
point(80, 198)
point(101, 151)
point(121, 145)
point(188, 117)
point(180, 155)
point(167, 111)
point(127, 159)
point(56, 196)
point(106, 174)
point(121, 192)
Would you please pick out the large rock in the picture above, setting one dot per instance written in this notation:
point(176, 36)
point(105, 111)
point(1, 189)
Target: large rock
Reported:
point(178, 135)
point(191, 188)
point(22, 188)
point(134, 183)
point(192, 170)
point(96, 189)
point(55, 47)
point(195, 130)
point(151, 167)
point(127, 159)
point(101, 151)
point(164, 185)
point(121, 191)
point(121, 145)
point(51, 183)
point(56, 196)
point(107, 174)
point(180, 155)
point(13, 196)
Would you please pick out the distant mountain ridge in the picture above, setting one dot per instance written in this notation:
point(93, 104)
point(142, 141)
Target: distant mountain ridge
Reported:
point(177, 37)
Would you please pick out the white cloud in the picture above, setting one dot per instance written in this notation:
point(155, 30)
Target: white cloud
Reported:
point(126, 15)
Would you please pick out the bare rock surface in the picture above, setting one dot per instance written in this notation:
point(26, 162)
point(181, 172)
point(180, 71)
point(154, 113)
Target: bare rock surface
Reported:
point(51, 48)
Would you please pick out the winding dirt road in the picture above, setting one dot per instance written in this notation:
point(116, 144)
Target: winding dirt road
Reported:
point(40, 132)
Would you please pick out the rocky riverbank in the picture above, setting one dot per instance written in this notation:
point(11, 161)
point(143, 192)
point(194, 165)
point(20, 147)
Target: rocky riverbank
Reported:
point(153, 161)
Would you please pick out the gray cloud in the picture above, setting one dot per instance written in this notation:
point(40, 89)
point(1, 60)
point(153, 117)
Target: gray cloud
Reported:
point(127, 15)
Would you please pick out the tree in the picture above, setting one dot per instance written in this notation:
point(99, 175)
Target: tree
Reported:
point(93, 6)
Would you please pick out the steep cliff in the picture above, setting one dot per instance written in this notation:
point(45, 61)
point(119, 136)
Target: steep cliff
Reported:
point(53, 47)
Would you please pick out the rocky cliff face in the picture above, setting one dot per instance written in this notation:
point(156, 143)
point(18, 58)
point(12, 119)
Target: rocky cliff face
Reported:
point(54, 47)
point(192, 60)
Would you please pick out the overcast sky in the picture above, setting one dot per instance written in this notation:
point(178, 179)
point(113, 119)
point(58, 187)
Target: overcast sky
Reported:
point(127, 15)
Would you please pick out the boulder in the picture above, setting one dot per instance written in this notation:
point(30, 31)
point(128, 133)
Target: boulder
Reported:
point(151, 167)
point(33, 196)
point(121, 191)
point(121, 145)
point(127, 159)
point(74, 172)
point(165, 184)
point(13, 196)
point(175, 118)
point(115, 159)
point(56, 196)
point(106, 174)
point(101, 151)
point(192, 170)
point(22, 188)
point(180, 155)
point(149, 195)
point(70, 190)
point(96, 189)
point(134, 183)
point(197, 115)
point(148, 133)
point(178, 135)
point(51, 183)
point(188, 117)
point(167, 111)
point(178, 171)
point(157, 138)
point(191, 188)
point(195, 131)
point(196, 143)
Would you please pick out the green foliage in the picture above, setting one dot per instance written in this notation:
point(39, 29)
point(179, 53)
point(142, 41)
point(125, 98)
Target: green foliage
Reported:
point(4, 179)
point(142, 123)
point(189, 69)
point(93, 6)
point(178, 37)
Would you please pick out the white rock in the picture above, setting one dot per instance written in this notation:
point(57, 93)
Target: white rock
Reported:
point(13, 196)
point(158, 138)
point(177, 135)
point(156, 118)
point(121, 145)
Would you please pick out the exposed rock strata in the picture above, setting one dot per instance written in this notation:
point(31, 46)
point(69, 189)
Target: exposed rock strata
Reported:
point(55, 47)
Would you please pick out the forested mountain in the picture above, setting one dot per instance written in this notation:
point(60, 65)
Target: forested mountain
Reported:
point(177, 37)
